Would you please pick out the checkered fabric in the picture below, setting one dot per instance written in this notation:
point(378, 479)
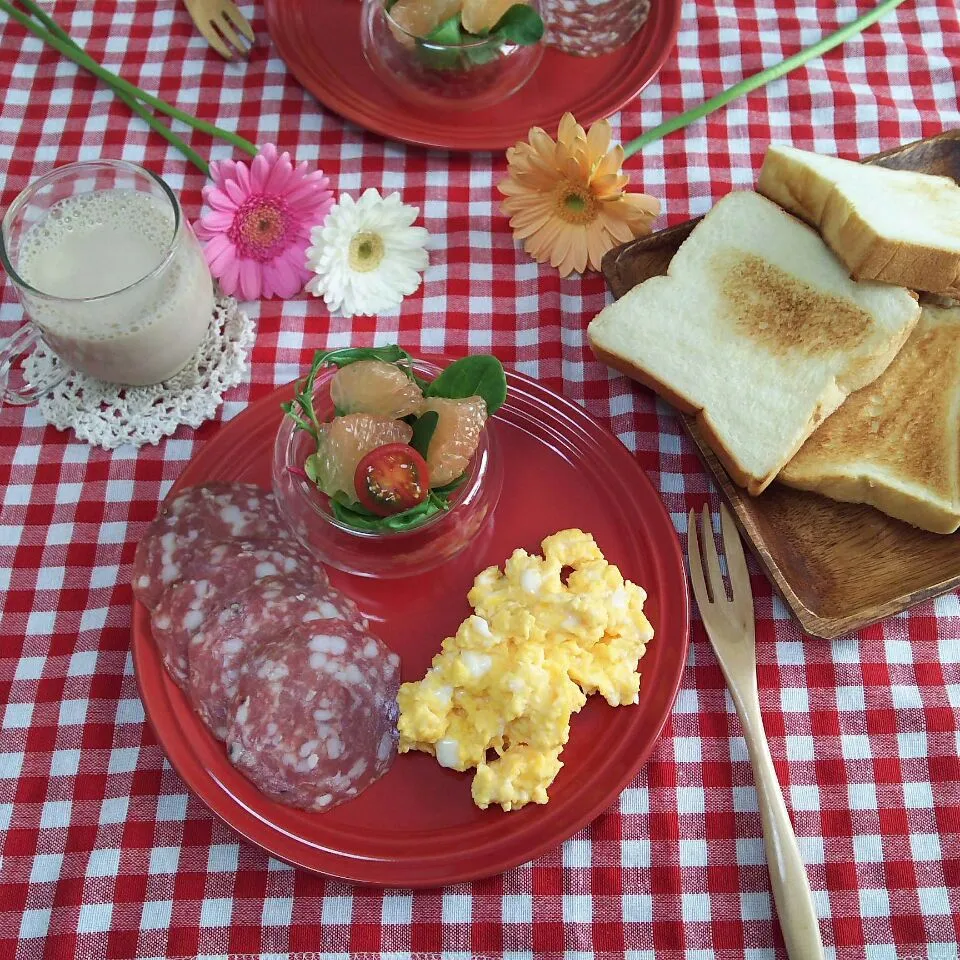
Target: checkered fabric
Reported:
point(105, 854)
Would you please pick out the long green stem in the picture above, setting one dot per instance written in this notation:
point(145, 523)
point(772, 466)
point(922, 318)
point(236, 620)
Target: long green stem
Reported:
point(82, 59)
point(131, 102)
point(749, 84)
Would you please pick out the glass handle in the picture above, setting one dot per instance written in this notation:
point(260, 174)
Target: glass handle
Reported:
point(21, 343)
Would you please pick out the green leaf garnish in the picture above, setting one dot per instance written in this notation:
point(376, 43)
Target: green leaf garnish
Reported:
point(344, 356)
point(310, 468)
point(423, 429)
point(360, 519)
point(449, 33)
point(480, 53)
point(480, 375)
point(450, 487)
point(354, 506)
point(521, 24)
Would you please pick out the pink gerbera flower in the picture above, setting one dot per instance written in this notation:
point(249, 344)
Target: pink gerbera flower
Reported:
point(257, 227)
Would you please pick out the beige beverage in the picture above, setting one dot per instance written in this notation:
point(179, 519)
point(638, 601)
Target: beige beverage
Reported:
point(120, 288)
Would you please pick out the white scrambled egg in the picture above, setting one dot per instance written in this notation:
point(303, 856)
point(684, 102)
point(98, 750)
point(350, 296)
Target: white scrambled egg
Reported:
point(500, 694)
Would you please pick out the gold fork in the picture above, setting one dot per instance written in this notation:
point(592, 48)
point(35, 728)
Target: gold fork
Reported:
point(730, 626)
point(219, 21)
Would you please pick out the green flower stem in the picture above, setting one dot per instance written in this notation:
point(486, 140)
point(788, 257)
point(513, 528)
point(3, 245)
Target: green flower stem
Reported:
point(73, 52)
point(749, 84)
point(131, 102)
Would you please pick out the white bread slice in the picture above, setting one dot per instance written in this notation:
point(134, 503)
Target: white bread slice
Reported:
point(758, 330)
point(896, 443)
point(892, 225)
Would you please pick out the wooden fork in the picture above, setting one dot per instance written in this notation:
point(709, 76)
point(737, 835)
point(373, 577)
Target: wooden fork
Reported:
point(219, 21)
point(730, 626)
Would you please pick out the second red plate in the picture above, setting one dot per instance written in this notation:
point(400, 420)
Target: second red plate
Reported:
point(417, 827)
point(320, 43)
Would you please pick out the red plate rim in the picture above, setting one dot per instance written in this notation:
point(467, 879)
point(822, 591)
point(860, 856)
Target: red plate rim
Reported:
point(396, 119)
point(394, 873)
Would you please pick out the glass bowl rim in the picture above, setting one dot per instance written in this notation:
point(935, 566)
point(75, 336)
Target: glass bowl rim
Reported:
point(474, 42)
point(476, 472)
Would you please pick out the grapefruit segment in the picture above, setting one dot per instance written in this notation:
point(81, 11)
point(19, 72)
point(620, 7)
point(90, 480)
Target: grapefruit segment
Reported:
point(375, 387)
point(345, 441)
point(419, 17)
point(456, 436)
point(480, 16)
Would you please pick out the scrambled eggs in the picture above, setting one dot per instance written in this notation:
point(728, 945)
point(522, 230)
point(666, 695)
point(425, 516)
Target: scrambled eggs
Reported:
point(500, 694)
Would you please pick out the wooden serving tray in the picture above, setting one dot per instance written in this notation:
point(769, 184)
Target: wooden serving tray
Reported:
point(839, 566)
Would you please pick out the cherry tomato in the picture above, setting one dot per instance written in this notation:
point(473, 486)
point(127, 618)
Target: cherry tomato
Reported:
point(391, 479)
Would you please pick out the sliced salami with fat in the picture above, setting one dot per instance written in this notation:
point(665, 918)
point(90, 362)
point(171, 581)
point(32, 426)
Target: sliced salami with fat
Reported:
point(590, 28)
point(316, 716)
point(265, 610)
point(194, 518)
point(216, 572)
point(182, 609)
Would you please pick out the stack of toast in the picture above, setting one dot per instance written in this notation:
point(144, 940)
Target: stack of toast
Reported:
point(811, 329)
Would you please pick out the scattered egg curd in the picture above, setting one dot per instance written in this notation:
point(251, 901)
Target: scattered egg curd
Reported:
point(500, 694)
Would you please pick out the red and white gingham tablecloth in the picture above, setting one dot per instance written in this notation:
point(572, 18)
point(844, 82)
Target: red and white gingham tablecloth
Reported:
point(106, 854)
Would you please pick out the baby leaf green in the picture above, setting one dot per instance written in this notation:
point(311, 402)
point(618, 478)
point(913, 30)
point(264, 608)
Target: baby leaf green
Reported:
point(450, 487)
point(343, 357)
point(423, 429)
point(359, 518)
point(521, 24)
point(449, 33)
point(480, 375)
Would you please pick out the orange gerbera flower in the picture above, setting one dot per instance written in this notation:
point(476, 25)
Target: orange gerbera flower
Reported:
point(566, 199)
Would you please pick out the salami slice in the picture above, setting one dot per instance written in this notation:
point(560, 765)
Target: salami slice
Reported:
point(216, 572)
point(182, 609)
point(590, 28)
point(316, 720)
point(264, 611)
point(195, 516)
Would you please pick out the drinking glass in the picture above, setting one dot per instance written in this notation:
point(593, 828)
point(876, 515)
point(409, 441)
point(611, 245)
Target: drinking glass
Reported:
point(109, 273)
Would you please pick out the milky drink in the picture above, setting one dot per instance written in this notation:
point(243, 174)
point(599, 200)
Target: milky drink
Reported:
point(120, 300)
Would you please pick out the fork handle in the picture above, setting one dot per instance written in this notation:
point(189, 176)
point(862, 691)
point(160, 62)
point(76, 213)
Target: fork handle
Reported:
point(788, 875)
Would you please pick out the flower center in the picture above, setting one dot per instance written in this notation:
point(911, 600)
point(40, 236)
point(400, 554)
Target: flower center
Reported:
point(575, 203)
point(260, 227)
point(366, 251)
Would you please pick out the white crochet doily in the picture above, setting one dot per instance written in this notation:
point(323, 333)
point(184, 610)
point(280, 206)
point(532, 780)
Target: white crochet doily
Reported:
point(109, 415)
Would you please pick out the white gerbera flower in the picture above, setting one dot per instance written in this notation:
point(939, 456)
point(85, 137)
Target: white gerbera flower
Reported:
point(367, 256)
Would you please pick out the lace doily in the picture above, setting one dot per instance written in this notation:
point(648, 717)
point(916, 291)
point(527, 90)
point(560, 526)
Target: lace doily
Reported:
point(109, 415)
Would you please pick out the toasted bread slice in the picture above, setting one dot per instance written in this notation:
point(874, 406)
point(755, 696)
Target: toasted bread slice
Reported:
point(758, 330)
point(896, 443)
point(896, 226)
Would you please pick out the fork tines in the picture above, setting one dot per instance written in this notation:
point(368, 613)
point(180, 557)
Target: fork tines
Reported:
point(709, 589)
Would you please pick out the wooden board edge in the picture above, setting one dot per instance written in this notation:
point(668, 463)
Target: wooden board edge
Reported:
point(831, 628)
point(814, 624)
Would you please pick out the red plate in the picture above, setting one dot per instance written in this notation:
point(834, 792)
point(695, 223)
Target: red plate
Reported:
point(417, 827)
point(322, 49)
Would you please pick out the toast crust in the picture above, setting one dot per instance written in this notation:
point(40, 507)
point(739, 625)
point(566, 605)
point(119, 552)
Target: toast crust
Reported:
point(753, 485)
point(874, 491)
point(867, 254)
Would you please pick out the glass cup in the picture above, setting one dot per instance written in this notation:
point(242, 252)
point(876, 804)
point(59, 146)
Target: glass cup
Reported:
point(110, 276)
point(479, 72)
